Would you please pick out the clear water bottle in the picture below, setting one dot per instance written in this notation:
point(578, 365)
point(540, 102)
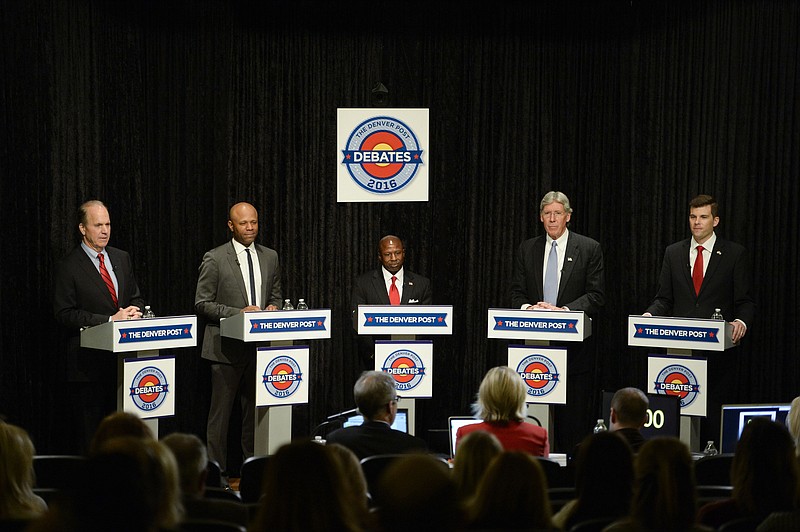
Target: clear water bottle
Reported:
point(601, 426)
point(287, 304)
point(717, 315)
point(148, 312)
point(318, 439)
point(301, 304)
point(710, 449)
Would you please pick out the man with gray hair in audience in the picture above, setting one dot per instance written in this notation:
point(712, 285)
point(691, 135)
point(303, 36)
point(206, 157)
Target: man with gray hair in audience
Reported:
point(629, 414)
point(376, 397)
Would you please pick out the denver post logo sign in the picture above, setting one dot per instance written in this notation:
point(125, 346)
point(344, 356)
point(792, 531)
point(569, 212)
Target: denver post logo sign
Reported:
point(382, 155)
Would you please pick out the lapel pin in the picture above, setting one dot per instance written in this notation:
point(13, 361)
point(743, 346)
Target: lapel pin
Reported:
point(569, 259)
point(719, 252)
point(410, 283)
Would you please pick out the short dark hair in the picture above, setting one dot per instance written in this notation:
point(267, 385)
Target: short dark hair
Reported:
point(373, 390)
point(630, 405)
point(701, 201)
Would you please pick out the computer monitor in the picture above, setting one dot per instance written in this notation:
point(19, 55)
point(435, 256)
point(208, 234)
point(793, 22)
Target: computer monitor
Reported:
point(735, 418)
point(400, 420)
point(663, 415)
point(454, 423)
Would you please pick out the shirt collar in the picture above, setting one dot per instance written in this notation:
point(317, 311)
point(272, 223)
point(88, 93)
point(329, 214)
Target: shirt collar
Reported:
point(93, 253)
point(239, 248)
point(562, 240)
point(708, 245)
point(387, 276)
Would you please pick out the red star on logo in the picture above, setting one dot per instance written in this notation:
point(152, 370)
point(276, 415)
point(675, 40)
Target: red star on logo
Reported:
point(639, 330)
point(571, 326)
point(319, 324)
point(500, 323)
point(416, 156)
point(124, 335)
point(186, 331)
point(369, 320)
point(441, 320)
point(711, 334)
point(347, 156)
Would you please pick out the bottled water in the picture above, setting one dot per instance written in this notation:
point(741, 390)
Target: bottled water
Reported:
point(317, 439)
point(287, 304)
point(710, 450)
point(717, 315)
point(601, 426)
point(148, 312)
point(301, 304)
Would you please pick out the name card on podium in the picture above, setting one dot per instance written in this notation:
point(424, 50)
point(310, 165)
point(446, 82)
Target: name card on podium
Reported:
point(124, 336)
point(266, 326)
point(405, 319)
point(679, 333)
point(515, 324)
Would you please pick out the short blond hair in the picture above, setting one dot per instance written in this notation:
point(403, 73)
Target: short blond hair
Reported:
point(501, 396)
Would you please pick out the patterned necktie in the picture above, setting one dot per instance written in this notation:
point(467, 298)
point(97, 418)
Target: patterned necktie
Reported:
point(551, 276)
point(252, 278)
point(107, 278)
point(394, 293)
point(697, 271)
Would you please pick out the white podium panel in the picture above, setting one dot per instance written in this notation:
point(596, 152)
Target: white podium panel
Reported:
point(150, 334)
point(268, 326)
point(684, 377)
point(282, 375)
point(410, 363)
point(543, 370)
point(515, 324)
point(679, 333)
point(405, 319)
point(151, 387)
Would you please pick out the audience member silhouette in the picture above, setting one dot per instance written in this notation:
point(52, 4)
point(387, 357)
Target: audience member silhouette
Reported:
point(501, 406)
point(473, 456)
point(764, 475)
point(793, 423)
point(17, 500)
point(664, 496)
point(354, 478)
point(512, 495)
point(628, 415)
point(603, 481)
point(192, 459)
point(305, 490)
point(119, 424)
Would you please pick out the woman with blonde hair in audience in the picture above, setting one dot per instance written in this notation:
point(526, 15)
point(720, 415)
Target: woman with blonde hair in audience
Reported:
point(512, 495)
point(793, 423)
point(501, 406)
point(17, 500)
point(475, 452)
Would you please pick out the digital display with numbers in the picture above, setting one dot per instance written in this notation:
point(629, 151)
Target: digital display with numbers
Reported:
point(663, 415)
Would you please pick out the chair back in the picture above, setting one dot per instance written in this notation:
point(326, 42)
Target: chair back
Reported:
point(592, 525)
point(59, 471)
point(374, 467)
point(745, 524)
point(209, 525)
point(252, 478)
point(221, 493)
point(214, 477)
point(555, 474)
point(713, 470)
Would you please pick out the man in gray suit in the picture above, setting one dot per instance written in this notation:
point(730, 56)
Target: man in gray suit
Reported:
point(238, 276)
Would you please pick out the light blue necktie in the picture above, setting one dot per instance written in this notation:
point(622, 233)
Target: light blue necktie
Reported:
point(551, 276)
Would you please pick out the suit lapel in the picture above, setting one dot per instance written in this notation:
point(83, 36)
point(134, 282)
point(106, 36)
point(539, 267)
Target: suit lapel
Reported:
point(262, 265)
point(380, 287)
point(237, 272)
point(409, 288)
point(713, 263)
point(119, 273)
point(687, 268)
point(91, 273)
point(571, 258)
point(538, 260)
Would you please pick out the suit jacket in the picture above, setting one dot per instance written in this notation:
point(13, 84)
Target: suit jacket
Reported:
point(81, 299)
point(513, 436)
point(726, 284)
point(370, 289)
point(375, 437)
point(582, 285)
point(221, 293)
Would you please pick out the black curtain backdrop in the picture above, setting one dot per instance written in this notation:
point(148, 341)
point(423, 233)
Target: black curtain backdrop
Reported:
point(171, 111)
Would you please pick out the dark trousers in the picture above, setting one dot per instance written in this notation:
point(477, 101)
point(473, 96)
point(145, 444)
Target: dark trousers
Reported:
point(226, 381)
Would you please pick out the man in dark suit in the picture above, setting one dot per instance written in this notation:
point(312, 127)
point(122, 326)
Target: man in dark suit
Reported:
point(699, 275)
point(375, 395)
point(238, 276)
point(94, 284)
point(563, 270)
point(391, 284)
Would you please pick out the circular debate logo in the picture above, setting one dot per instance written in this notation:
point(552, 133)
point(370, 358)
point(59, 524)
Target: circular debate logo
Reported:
point(406, 368)
point(678, 380)
point(382, 155)
point(149, 388)
point(282, 376)
point(539, 373)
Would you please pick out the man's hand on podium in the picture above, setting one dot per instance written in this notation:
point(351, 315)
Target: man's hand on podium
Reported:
point(129, 313)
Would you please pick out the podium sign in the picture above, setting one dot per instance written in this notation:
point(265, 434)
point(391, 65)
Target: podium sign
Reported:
point(282, 375)
point(679, 333)
point(405, 319)
point(562, 325)
point(410, 363)
point(151, 386)
point(684, 377)
point(150, 334)
point(267, 326)
point(543, 370)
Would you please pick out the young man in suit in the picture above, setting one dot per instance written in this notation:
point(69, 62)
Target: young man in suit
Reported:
point(391, 284)
point(94, 284)
point(562, 270)
point(238, 276)
point(699, 275)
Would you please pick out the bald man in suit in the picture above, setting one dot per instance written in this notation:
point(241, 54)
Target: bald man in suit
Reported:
point(94, 284)
point(225, 287)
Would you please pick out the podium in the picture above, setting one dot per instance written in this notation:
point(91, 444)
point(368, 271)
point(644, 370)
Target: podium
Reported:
point(410, 361)
point(680, 337)
point(273, 424)
point(539, 328)
point(145, 337)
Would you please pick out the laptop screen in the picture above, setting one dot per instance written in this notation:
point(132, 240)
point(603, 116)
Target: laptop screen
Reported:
point(400, 420)
point(454, 423)
point(736, 417)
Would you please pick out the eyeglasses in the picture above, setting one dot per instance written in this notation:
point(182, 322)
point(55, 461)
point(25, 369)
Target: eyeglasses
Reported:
point(557, 214)
point(396, 399)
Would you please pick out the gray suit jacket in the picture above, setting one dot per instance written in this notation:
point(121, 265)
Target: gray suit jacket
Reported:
point(221, 293)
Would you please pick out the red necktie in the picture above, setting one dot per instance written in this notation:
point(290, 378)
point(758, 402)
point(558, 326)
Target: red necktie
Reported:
point(697, 271)
point(394, 293)
point(107, 278)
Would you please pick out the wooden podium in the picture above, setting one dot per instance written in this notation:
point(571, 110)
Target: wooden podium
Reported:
point(680, 337)
point(403, 323)
point(145, 337)
point(273, 424)
point(538, 328)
